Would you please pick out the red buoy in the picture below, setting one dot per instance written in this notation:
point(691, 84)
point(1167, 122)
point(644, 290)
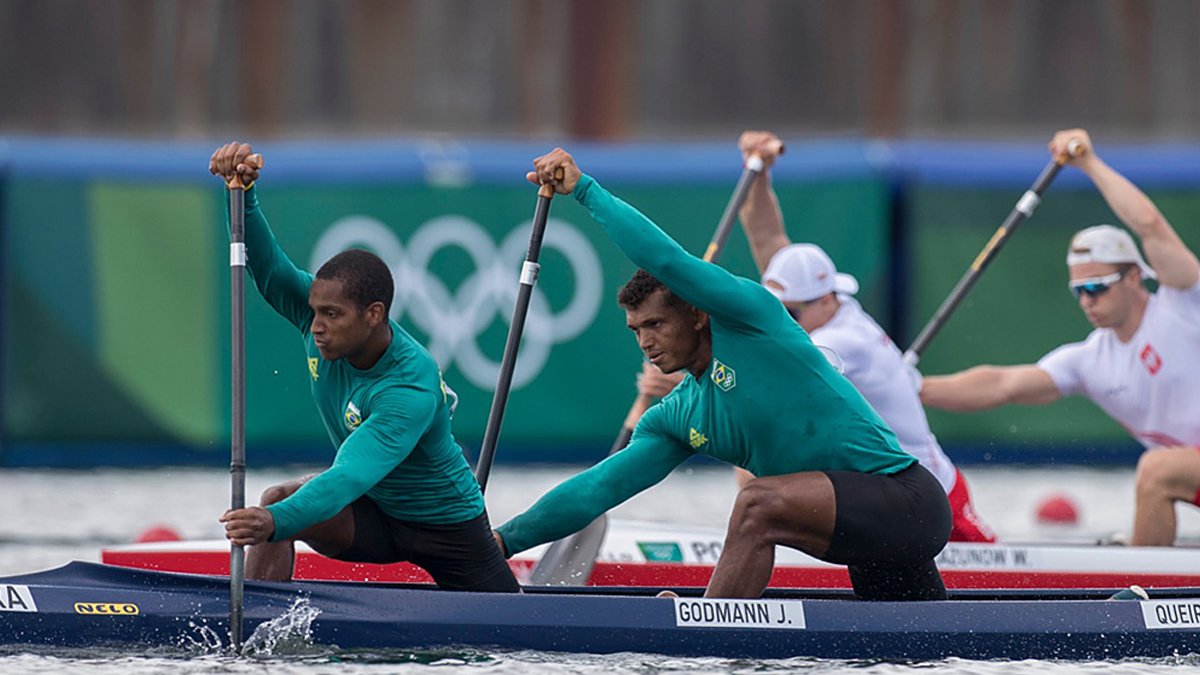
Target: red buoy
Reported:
point(1059, 510)
point(157, 533)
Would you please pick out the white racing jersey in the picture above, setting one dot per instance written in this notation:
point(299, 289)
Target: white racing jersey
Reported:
point(875, 366)
point(1151, 384)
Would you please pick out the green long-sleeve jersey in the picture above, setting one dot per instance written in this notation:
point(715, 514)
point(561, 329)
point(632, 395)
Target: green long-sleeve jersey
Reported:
point(769, 402)
point(390, 422)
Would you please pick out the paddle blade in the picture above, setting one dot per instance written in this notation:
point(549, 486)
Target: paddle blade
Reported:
point(569, 561)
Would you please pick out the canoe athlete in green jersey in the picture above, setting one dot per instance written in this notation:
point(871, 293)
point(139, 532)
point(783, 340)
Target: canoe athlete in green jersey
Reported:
point(399, 488)
point(832, 479)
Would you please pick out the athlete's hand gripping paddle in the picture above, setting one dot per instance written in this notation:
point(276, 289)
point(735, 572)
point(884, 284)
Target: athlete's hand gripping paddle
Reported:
point(528, 279)
point(570, 560)
point(1024, 208)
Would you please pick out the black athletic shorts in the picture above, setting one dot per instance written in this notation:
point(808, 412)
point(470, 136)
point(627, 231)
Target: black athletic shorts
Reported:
point(460, 556)
point(888, 530)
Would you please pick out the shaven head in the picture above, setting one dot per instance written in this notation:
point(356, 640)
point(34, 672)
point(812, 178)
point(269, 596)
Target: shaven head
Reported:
point(365, 278)
point(641, 286)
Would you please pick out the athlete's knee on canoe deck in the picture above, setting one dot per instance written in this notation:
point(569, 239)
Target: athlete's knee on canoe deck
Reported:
point(1169, 471)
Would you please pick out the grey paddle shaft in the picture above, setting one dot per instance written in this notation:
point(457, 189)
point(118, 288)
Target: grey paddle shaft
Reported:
point(754, 167)
point(529, 274)
point(1024, 208)
point(570, 559)
point(237, 462)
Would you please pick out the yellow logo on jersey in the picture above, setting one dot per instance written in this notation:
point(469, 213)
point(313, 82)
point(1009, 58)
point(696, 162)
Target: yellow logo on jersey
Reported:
point(312, 367)
point(696, 438)
point(353, 416)
point(723, 376)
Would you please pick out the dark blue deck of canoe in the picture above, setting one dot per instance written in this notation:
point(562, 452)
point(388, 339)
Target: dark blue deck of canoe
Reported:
point(172, 610)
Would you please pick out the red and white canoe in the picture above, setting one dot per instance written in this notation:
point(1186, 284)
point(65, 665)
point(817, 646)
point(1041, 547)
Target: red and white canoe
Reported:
point(666, 555)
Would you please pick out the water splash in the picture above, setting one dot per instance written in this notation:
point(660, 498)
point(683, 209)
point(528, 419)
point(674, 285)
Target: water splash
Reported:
point(290, 633)
point(201, 639)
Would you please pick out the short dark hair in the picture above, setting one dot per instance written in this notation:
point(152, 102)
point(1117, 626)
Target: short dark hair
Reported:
point(641, 286)
point(364, 275)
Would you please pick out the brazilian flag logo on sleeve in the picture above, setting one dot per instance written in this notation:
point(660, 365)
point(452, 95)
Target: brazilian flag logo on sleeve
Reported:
point(353, 416)
point(723, 376)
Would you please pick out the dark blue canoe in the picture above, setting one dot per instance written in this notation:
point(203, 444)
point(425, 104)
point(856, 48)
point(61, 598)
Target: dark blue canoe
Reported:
point(90, 605)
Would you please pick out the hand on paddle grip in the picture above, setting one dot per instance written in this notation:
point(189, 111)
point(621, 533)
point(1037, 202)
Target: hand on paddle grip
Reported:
point(555, 169)
point(236, 164)
point(762, 144)
point(1069, 145)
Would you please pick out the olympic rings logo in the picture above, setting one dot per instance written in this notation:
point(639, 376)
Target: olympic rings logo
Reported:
point(454, 320)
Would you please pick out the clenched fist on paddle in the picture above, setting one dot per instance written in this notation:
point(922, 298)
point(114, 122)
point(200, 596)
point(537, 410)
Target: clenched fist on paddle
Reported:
point(236, 163)
point(557, 169)
point(248, 527)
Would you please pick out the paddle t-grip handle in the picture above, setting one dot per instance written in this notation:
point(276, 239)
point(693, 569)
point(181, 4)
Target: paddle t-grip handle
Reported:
point(547, 189)
point(234, 182)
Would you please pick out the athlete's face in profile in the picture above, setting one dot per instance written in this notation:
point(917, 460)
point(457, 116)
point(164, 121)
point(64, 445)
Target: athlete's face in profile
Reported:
point(339, 327)
point(671, 337)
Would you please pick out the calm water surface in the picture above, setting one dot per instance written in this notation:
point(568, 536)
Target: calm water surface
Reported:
point(48, 518)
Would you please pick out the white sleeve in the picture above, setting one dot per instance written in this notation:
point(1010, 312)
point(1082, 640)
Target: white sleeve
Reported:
point(915, 376)
point(1184, 301)
point(1063, 365)
point(847, 349)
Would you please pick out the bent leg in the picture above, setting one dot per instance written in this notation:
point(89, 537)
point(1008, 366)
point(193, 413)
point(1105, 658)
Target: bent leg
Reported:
point(1164, 476)
point(796, 510)
point(895, 583)
point(889, 530)
point(276, 561)
point(459, 556)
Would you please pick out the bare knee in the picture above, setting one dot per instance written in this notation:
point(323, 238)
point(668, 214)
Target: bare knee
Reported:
point(755, 508)
point(278, 493)
point(1168, 472)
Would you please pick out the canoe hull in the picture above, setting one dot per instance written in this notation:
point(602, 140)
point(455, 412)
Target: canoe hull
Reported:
point(89, 605)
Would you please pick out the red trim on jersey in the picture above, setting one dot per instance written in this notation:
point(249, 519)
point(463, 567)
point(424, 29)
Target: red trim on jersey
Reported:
point(1159, 439)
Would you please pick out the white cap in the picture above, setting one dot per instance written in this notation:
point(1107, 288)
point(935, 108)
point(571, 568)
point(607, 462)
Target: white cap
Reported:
point(1106, 244)
point(802, 272)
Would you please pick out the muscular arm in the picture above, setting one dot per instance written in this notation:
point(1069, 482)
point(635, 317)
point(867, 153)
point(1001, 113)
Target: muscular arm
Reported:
point(579, 500)
point(1176, 265)
point(369, 454)
point(283, 285)
point(762, 221)
point(986, 387)
point(703, 285)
